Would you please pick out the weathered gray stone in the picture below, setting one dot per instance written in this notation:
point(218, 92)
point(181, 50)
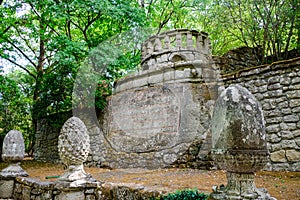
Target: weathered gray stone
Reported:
point(296, 110)
point(273, 80)
point(70, 196)
point(275, 86)
point(291, 118)
point(263, 88)
point(274, 138)
point(286, 111)
point(288, 144)
point(13, 151)
point(295, 167)
point(239, 143)
point(274, 112)
point(287, 135)
point(297, 141)
point(294, 102)
point(164, 117)
point(26, 192)
point(273, 128)
point(275, 147)
point(284, 126)
point(278, 156)
point(296, 80)
point(285, 81)
point(46, 195)
point(90, 197)
point(293, 94)
point(73, 148)
point(296, 133)
point(293, 155)
point(281, 167)
point(276, 94)
point(6, 188)
point(284, 104)
point(292, 126)
point(274, 120)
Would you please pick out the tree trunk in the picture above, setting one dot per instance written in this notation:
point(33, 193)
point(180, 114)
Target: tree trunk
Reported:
point(37, 107)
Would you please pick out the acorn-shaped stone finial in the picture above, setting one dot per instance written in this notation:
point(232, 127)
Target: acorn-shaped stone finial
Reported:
point(239, 143)
point(13, 151)
point(73, 149)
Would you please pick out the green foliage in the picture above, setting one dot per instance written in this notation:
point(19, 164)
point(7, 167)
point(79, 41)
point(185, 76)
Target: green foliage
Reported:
point(270, 25)
point(112, 59)
point(14, 110)
point(273, 25)
point(123, 65)
point(50, 39)
point(186, 194)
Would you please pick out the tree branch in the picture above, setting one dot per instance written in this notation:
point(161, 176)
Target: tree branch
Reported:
point(26, 41)
point(24, 68)
point(20, 50)
point(32, 7)
point(5, 30)
point(90, 22)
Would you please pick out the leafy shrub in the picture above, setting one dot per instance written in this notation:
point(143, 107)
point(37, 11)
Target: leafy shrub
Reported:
point(186, 194)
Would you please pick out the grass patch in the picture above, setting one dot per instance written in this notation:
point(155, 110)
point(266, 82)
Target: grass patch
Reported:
point(186, 194)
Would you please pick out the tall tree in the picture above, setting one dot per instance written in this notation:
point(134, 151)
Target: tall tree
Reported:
point(49, 39)
point(269, 24)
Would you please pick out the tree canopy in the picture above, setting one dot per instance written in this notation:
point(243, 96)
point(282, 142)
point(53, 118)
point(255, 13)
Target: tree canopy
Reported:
point(46, 42)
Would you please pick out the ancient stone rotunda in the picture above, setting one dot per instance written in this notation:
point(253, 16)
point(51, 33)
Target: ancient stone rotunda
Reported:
point(160, 115)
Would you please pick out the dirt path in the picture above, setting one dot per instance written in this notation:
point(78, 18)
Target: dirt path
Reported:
point(281, 185)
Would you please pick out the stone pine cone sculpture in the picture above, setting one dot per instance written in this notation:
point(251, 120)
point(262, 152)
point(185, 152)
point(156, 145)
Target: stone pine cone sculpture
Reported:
point(73, 148)
point(13, 151)
point(73, 142)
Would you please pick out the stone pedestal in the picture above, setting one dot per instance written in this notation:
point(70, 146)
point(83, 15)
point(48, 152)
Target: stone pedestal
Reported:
point(76, 173)
point(240, 186)
point(239, 144)
point(12, 153)
point(13, 170)
point(6, 187)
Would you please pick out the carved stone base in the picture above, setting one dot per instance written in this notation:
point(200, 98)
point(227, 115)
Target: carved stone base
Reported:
point(13, 170)
point(76, 173)
point(240, 186)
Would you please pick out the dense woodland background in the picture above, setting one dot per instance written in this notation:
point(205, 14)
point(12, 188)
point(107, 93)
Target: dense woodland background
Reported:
point(43, 43)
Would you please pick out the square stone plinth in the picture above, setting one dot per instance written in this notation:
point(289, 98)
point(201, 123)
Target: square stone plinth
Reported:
point(6, 189)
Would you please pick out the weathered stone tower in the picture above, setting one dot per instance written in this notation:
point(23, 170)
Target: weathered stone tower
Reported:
point(160, 116)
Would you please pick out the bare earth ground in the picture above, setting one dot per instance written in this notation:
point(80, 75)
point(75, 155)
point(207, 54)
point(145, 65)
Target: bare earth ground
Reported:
point(281, 185)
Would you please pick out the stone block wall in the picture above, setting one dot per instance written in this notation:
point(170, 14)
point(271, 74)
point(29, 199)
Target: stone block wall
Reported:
point(30, 189)
point(277, 87)
point(46, 137)
point(238, 59)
